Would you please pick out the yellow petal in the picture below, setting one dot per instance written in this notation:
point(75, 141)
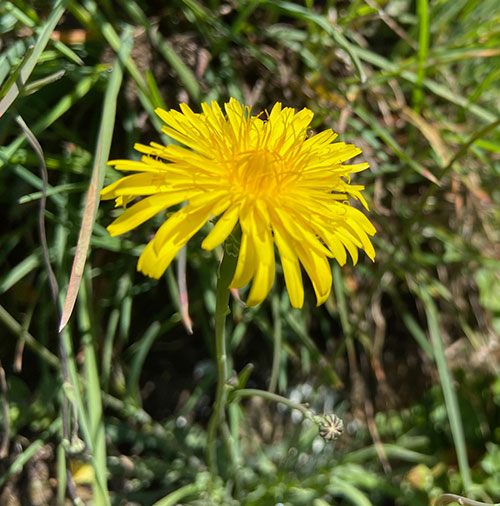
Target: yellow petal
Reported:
point(356, 229)
point(123, 201)
point(129, 165)
point(322, 138)
point(319, 271)
point(300, 230)
point(246, 266)
point(236, 116)
point(186, 127)
point(261, 284)
point(170, 238)
point(138, 184)
point(291, 266)
point(347, 241)
point(185, 157)
point(336, 247)
point(264, 274)
point(144, 210)
point(222, 229)
point(218, 200)
point(180, 227)
point(358, 167)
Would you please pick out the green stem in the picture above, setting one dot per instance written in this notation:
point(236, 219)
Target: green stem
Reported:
point(269, 396)
point(452, 498)
point(175, 496)
point(423, 47)
point(226, 272)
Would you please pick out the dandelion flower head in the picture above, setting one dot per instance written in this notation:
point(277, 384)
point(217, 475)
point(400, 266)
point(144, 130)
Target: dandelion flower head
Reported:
point(284, 187)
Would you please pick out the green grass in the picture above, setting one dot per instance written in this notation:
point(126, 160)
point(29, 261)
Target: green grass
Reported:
point(405, 350)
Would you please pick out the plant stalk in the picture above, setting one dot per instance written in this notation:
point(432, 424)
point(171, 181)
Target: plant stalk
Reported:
point(225, 276)
point(270, 396)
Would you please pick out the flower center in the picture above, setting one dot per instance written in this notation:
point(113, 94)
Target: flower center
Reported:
point(260, 173)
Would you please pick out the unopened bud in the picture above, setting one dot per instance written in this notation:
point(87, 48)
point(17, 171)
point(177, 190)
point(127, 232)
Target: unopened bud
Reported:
point(330, 427)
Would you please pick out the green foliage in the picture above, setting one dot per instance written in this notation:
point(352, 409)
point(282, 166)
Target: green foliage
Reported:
point(406, 349)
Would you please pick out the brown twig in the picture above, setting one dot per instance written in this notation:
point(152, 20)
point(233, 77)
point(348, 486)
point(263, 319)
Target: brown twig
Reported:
point(4, 447)
point(18, 356)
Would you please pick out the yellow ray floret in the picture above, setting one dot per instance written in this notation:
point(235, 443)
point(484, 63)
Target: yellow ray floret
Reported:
point(283, 187)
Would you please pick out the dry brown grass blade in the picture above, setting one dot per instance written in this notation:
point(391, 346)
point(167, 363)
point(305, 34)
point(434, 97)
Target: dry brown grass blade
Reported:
point(183, 292)
point(4, 446)
point(97, 179)
point(430, 132)
point(37, 148)
point(82, 247)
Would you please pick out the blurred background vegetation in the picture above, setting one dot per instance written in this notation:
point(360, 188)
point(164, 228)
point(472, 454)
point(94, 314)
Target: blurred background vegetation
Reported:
point(406, 350)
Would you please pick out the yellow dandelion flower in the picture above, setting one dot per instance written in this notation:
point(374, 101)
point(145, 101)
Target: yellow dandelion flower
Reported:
point(283, 187)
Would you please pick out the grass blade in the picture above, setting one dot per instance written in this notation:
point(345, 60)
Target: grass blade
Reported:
point(81, 89)
point(40, 83)
point(16, 328)
point(350, 492)
point(96, 182)
point(30, 63)
point(141, 350)
point(37, 148)
point(447, 386)
point(14, 77)
point(94, 402)
point(392, 143)
point(22, 269)
point(166, 50)
point(423, 46)
point(433, 86)
point(303, 13)
point(174, 497)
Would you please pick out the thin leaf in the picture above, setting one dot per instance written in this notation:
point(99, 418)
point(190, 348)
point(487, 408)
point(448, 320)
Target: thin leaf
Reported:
point(30, 63)
point(423, 46)
point(446, 380)
point(54, 287)
point(351, 493)
point(303, 13)
point(15, 75)
point(66, 102)
point(13, 53)
point(40, 83)
point(141, 350)
point(94, 402)
point(174, 497)
point(96, 182)
point(183, 290)
point(436, 88)
point(392, 143)
point(16, 328)
point(430, 133)
point(166, 50)
point(53, 190)
point(22, 269)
